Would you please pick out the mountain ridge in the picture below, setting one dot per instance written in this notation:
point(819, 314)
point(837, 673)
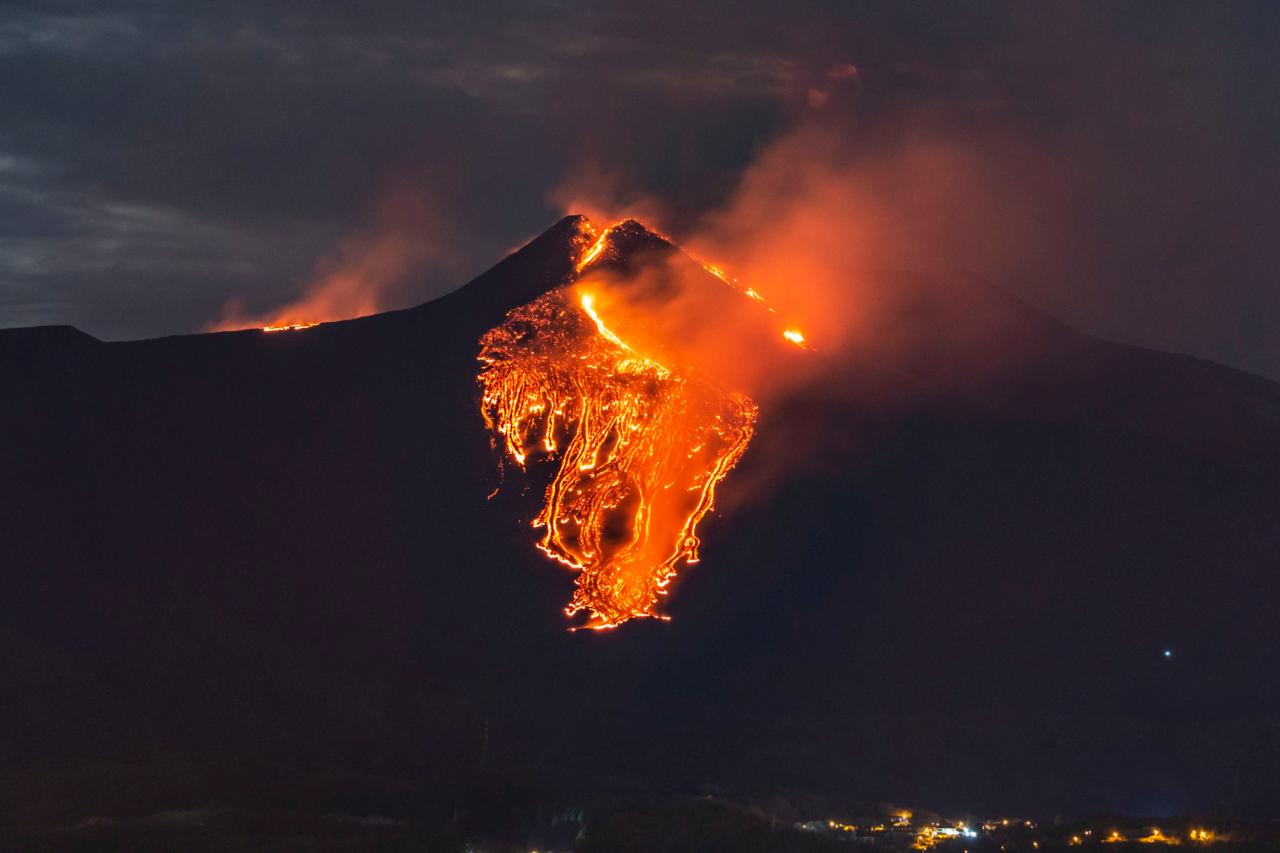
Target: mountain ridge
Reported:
point(250, 544)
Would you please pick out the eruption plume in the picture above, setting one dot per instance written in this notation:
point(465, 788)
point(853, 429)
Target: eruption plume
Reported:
point(638, 435)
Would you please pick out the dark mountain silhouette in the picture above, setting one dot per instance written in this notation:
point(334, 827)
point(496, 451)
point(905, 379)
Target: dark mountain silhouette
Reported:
point(944, 573)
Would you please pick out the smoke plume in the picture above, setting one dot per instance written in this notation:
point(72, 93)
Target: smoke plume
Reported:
point(363, 276)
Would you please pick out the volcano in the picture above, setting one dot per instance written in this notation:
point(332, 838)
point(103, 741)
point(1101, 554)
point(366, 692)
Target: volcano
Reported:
point(944, 570)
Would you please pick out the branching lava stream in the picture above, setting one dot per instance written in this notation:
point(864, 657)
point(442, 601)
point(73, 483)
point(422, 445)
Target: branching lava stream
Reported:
point(638, 447)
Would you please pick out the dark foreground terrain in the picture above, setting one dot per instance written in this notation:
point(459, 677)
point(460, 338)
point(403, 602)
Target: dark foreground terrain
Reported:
point(496, 820)
point(251, 586)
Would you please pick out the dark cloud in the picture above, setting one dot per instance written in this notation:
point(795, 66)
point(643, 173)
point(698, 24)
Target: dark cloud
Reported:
point(158, 159)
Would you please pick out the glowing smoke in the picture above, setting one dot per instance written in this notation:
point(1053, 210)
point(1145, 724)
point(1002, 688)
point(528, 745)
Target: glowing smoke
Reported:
point(362, 277)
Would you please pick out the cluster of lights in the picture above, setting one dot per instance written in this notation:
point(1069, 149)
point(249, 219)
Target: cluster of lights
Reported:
point(1157, 837)
point(933, 835)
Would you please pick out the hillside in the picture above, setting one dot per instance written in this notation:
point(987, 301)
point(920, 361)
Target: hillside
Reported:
point(277, 548)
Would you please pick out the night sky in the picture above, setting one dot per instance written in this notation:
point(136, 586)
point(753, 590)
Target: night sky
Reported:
point(160, 159)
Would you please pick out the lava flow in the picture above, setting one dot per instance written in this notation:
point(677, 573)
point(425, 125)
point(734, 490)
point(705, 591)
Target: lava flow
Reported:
point(289, 327)
point(638, 446)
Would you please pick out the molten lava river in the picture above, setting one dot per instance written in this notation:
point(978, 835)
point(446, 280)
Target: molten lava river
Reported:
point(634, 447)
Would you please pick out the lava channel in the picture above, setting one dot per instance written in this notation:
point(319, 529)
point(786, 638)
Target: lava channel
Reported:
point(635, 448)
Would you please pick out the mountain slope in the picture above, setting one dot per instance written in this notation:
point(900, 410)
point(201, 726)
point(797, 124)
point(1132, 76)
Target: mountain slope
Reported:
point(944, 571)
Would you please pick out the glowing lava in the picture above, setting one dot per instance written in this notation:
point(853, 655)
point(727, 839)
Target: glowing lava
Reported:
point(636, 448)
point(595, 250)
point(596, 387)
point(289, 327)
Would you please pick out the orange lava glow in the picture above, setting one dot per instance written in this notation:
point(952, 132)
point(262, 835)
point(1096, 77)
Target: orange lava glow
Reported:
point(360, 277)
point(795, 336)
point(289, 327)
point(637, 448)
point(594, 250)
